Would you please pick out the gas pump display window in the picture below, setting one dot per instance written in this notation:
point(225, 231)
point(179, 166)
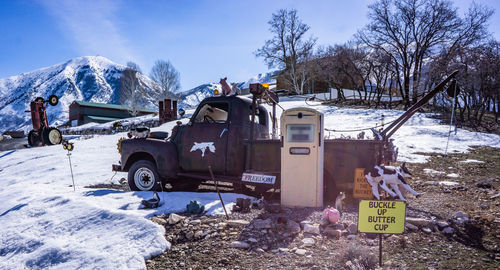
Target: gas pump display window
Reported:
point(299, 133)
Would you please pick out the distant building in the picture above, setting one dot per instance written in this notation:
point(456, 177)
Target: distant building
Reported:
point(81, 112)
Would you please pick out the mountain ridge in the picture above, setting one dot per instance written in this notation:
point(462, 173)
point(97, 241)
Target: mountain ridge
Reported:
point(86, 78)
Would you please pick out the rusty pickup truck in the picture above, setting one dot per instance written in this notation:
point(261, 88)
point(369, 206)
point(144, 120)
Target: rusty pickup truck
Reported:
point(231, 135)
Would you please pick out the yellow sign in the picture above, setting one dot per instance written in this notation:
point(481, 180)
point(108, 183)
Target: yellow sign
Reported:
point(362, 190)
point(381, 216)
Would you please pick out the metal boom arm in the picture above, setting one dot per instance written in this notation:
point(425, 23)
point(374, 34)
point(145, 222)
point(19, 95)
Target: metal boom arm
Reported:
point(394, 126)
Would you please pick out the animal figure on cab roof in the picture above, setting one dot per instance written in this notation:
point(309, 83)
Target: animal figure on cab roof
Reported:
point(389, 176)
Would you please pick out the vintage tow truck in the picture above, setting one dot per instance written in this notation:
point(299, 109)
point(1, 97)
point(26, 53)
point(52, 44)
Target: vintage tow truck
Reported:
point(231, 135)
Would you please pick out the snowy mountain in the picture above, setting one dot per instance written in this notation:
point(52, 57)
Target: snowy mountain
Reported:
point(193, 97)
point(260, 78)
point(87, 78)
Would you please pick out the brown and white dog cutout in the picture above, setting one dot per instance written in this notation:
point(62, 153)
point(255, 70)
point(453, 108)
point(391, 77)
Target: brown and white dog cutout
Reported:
point(385, 176)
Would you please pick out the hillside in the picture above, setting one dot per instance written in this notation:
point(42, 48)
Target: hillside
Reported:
point(87, 78)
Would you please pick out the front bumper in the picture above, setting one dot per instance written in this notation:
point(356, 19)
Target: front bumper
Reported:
point(117, 168)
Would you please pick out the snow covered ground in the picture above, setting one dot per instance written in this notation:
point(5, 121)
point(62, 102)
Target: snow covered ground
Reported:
point(46, 224)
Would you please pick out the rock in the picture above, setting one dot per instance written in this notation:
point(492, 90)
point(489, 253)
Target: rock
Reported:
point(461, 215)
point(260, 250)
point(262, 224)
point(332, 232)
point(485, 183)
point(352, 228)
point(484, 206)
point(198, 234)
point(495, 196)
point(195, 222)
point(448, 230)
point(308, 242)
point(189, 235)
point(420, 222)
point(311, 228)
point(272, 207)
point(303, 223)
point(351, 237)
point(252, 240)
point(209, 221)
point(158, 220)
point(174, 218)
point(411, 227)
point(324, 222)
point(237, 222)
point(239, 244)
point(443, 224)
point(292, 226)
point(300, 251)
point(283, 250)
point(426, 230)
point(338, 226)
point(430, 183)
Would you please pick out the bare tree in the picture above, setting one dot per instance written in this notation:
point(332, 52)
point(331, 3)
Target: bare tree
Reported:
point(134, 66)
point(129, 90)
point(409, 31)
point(289, 49)
point(167, 77)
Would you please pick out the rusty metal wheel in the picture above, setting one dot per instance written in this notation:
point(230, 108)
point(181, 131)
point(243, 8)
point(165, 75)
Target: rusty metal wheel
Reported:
point(143, 176)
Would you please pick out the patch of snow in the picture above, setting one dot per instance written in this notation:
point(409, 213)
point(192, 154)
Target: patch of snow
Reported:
point(448, 183)
point(453, 175)
point(471, 161)
point(45, 224)
point(432, 171)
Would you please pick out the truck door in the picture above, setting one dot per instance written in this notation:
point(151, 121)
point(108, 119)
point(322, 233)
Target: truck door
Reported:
point(204, 141)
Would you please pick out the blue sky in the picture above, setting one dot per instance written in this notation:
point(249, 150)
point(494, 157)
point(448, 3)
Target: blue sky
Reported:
point(204, 40)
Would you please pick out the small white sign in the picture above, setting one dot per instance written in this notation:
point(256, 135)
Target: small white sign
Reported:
point(258, 178)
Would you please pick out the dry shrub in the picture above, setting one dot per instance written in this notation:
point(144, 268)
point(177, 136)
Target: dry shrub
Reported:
point(360, 257)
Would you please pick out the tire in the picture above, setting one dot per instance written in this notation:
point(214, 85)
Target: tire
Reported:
point(143, 176)
point(34, 139)
point(52, 136)
point(53, 100)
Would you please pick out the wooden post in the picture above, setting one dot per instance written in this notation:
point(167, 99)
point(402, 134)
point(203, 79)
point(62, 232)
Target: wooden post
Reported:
point(380, 250)
point(174, 109)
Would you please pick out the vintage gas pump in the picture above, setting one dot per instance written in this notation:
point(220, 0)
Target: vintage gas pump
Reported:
point(302, 155)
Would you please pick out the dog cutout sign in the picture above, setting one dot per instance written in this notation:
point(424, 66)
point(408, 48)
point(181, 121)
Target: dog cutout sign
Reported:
point(362, 189)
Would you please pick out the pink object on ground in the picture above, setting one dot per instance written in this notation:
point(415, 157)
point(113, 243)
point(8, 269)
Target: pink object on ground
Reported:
point(331, 214)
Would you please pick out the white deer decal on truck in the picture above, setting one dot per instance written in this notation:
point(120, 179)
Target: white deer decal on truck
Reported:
point(203, 146)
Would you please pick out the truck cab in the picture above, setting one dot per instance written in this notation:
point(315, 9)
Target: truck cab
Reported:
point(216, 133)
point(215, 136)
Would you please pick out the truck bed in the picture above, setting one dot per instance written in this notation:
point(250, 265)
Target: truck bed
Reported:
point(342, 157)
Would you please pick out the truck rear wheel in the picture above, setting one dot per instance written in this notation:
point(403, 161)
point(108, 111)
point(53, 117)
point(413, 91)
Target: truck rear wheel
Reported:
point(143, 176)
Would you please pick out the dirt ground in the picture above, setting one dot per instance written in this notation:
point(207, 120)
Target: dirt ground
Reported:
point(469, 208)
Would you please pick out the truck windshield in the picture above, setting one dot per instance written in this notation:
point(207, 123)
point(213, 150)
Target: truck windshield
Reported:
point(213, 113)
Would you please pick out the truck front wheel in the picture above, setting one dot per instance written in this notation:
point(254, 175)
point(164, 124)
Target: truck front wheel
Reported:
point(143, 176)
